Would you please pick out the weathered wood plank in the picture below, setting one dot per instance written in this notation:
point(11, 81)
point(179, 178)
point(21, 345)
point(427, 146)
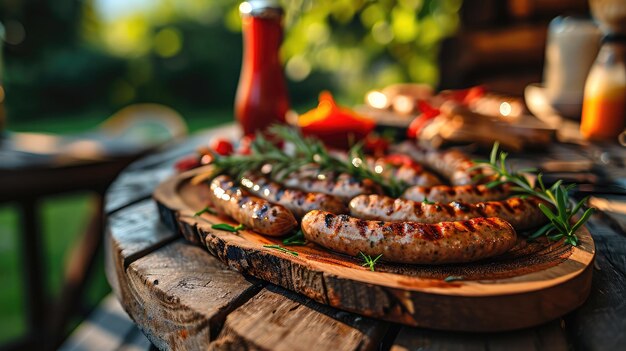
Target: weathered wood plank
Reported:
point(137, 229)
point(550, 336)
point(131, 233)
point(276, 319)
point(600, 323)
point(179, 295)
point(131, 187)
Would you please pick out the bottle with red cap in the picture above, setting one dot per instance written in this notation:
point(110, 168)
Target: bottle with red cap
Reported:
point(262, 91)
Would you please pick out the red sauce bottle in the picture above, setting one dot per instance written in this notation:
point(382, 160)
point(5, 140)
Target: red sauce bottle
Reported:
point(262, 92)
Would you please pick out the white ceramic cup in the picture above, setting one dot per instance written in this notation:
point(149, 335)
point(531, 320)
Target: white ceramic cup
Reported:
point(571, 49)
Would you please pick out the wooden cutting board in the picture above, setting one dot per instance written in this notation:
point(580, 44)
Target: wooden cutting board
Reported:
point(532, 284)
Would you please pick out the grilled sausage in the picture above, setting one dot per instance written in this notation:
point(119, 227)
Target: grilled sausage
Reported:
point(343, 186)
point(253, 212)
point(521, 213)
point(409, 174)
point(296, 201)
point(452, 164)
point(461, 193)
point(411, 242)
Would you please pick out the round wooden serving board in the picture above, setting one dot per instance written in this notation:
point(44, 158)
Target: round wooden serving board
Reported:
point(530, 285)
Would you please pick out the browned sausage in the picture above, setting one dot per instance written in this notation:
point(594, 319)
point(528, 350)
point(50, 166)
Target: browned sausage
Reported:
point(411, 242)
point(409, 174)
point(296, 201)
point(461, 193)
point(253, 212)
point(452, 164)
point(343, 186)
point(521, 213)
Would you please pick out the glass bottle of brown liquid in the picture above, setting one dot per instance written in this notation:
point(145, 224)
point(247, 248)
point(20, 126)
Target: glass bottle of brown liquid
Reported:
point(604, 104)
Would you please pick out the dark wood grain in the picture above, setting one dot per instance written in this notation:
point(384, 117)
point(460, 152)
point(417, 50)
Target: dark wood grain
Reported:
point(549, 337)
point(277, 319)
point(179, 295)
point(132, 233)
point(600, 323)
point(137, 229)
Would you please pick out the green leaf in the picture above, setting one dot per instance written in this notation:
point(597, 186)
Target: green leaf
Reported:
point(227, 227)
point(541, 231)
point(493, 157)
point(281, 249)
point(377, 258)
point(561, 204)
point(296, 239)
point(579, 205)
point(553, 218)
point(494, 184)
point(556, 185)
point(368, 261)
point(205, 210)
point(546, 211)
point(540, 182)
point(503, 156)
point(582, 219)
point(427, 202)
point(518, 189)
point(572, 240)
point(556, 237)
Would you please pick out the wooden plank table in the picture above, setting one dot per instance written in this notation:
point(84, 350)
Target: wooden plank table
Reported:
point(181, 297)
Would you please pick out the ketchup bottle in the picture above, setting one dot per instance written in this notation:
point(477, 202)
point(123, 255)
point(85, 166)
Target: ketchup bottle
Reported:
point(262, 93)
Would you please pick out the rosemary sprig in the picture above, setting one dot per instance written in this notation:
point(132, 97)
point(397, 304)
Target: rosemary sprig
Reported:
point(281, 249)
point(368, 261)
point(306, 151)
point(228, 228)
point(561, 224)
point(205, 210)
point(295, 240)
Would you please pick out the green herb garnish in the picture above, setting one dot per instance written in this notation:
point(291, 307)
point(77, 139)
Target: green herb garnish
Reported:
point(453, 278)
point(560, 225)
point(306, 151)
point(205, 210)
point(427, 202)
point(369, 261)
point(228, 228)
point(295, 240)
point(281, 249)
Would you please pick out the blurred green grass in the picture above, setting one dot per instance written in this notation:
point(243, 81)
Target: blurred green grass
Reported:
point(64, 218)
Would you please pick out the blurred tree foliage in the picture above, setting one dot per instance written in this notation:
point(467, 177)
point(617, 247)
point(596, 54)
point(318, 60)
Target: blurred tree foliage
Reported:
point(188, 52)
point(366, 44)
